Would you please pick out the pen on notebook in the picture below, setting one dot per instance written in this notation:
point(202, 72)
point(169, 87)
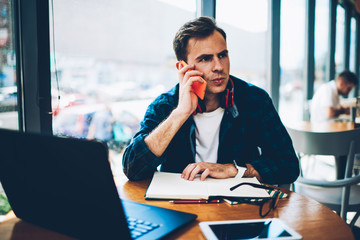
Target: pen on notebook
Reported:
point(195, 201)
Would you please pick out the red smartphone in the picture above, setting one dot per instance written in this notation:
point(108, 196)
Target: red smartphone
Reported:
point(197, 87)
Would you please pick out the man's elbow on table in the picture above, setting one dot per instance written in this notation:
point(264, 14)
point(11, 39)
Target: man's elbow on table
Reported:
point(290, 174)
point(137, 175)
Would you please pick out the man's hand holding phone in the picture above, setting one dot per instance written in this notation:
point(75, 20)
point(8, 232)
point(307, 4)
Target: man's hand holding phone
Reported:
point(188, 100)
point(198, 87)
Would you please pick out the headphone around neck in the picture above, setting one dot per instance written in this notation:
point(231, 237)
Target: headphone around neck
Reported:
point(226, 99)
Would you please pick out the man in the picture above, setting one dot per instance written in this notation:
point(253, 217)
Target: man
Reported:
point(325, 104)
point(237, 124)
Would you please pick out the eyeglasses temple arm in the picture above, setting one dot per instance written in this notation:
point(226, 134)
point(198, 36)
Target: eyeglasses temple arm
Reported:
point(251, 184)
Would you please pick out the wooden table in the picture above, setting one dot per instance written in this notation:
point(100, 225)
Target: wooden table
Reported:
point(330, 126)
point(309, 218)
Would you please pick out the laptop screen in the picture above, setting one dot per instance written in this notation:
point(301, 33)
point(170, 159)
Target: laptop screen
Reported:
point(62, 184)
point(66, 185)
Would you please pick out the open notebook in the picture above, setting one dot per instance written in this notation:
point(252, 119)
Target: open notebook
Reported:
point(171, 186)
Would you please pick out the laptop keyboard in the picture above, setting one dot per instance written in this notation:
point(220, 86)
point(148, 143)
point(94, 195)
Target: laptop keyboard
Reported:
point(140, 227)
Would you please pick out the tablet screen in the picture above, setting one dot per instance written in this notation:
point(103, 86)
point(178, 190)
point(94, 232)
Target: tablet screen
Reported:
point(249, 230)
point(259, 229)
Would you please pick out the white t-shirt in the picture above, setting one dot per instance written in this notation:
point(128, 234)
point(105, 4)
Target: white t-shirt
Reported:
point(207, 135)
point(326, 96)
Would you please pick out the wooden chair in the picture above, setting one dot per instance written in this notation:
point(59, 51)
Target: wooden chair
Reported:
point(342, 195)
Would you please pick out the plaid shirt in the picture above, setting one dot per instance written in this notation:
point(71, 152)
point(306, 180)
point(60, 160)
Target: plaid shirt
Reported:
point(255, 135)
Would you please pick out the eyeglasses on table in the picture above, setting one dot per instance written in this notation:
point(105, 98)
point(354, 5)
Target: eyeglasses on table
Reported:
point(265, 204)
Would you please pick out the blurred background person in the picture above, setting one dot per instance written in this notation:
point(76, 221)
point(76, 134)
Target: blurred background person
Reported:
point(325, 104)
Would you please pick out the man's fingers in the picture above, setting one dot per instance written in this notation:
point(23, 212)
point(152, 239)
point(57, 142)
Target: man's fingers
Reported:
point(251, 172)
point(185, 69)
point(185, 77)
point(187, 171)
point(205, 174)
point(185, 174)
point(193, 79)
point(215, 170)
point(194, 172)
point(191, 171)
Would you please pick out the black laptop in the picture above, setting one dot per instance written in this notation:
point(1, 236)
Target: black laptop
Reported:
point(66, 185)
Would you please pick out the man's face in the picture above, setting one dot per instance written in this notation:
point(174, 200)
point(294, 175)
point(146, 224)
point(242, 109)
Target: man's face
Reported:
point(210, 56)
point(345, 87)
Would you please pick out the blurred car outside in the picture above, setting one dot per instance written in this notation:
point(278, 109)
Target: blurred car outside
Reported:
point(75, 121)
point(8, 99)
point(68, 100)
point(125, 126)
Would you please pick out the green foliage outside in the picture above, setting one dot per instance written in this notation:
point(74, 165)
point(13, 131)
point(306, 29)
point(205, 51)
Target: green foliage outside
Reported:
point(4, 204)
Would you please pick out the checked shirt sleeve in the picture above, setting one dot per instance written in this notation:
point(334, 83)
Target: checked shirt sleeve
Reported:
point(138, 161)
point(278, 163)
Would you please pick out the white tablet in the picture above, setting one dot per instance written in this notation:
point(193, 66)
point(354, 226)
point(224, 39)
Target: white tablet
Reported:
point(269, 228)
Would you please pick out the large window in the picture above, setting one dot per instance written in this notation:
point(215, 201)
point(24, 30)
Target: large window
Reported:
point(245, 23)
point(292, 51)
point(339, 47)
point(321, 41)
point(352, 44)
point(109, 61)
point(8, 87)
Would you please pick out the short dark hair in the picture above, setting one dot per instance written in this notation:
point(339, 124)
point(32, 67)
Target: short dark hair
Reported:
point(198, 28)
point(350, 77)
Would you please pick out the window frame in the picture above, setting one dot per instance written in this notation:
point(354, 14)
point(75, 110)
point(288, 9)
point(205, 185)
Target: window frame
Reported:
point(33, 65)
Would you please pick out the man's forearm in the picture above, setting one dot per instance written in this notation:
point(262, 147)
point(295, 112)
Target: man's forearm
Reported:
point(159, 139)
point(332, 112)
